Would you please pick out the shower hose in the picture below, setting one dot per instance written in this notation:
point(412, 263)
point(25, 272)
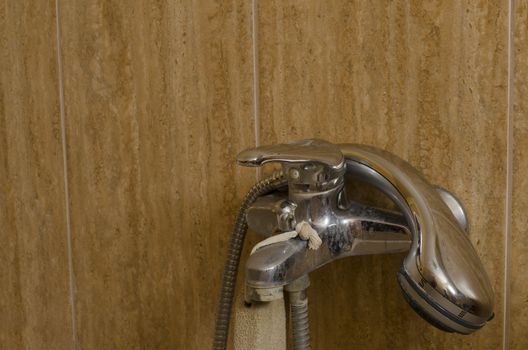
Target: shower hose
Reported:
point(299, 320)
point(299, 314)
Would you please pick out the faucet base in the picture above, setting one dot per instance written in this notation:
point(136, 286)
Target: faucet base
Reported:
point(263, 294)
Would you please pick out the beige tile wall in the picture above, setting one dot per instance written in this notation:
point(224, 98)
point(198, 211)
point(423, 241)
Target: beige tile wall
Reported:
point(35, 310)
point(427, 82)
point(518, 339)
point(158, 102)
point(158, 99)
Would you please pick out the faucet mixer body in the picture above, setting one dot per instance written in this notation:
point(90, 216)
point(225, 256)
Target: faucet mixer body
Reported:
point(442, 277)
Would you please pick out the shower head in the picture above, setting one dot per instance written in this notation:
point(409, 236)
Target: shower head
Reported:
point(442, 277)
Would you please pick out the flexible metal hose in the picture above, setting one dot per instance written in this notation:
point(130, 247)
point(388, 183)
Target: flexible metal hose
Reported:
point(299, 320)
point(223, 317)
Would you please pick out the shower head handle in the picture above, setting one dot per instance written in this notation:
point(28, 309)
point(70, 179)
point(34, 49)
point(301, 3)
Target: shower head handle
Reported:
point(442, 276)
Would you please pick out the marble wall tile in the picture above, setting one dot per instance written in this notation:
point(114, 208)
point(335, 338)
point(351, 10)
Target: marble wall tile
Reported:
point(424, 80)
point(518, 301)
point(158, 100)
point(35, 309)
point(158, 103)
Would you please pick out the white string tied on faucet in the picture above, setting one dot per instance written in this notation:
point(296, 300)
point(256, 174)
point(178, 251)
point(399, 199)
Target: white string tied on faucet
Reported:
point(303, 229)
point(307, 233)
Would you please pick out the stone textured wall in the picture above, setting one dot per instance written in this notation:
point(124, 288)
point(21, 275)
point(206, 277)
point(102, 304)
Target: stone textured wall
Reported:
point(119, 127)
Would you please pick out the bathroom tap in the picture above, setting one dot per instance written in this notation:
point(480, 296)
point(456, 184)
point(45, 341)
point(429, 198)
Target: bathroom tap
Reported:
point(441, 277)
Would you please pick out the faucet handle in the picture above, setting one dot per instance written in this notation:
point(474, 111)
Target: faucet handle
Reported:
point(304, 151)
point(311, 165)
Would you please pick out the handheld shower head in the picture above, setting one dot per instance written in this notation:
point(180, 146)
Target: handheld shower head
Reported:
point(442, 277)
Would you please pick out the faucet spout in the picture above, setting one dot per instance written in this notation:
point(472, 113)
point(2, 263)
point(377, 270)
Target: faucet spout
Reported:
point(356, 230)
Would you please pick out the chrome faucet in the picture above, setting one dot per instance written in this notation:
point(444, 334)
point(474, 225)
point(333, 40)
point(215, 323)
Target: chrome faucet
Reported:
point(441, 277)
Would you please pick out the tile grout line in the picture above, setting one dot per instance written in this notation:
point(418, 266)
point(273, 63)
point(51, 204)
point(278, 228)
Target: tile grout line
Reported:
point(65, 174)
point(509, 179)
point(256, 80)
